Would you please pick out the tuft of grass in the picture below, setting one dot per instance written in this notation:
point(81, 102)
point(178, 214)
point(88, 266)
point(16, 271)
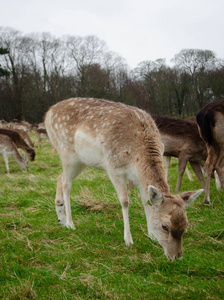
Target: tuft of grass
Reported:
point(41, 260)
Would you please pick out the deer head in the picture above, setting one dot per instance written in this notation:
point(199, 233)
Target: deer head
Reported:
point(168, 219)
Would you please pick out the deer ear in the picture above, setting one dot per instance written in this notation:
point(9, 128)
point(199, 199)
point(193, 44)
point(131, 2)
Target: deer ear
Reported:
point(155, 197)
point(190, 196)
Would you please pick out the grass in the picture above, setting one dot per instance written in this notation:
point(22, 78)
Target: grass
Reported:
point(41, 260)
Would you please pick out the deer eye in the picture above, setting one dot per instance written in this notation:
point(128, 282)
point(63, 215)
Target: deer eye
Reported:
point(165, 228)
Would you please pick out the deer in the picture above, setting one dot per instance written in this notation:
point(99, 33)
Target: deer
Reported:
point(3, 124)
point(21, 125)
point(181, 139)
point(19, 142)
point(210, 120)
point(41, 134)
point(26, 137)
point(8, 148)
point(125, 142)
point(40, 131)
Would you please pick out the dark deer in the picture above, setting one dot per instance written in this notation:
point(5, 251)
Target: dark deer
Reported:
point(210, 121)
point(181, 139)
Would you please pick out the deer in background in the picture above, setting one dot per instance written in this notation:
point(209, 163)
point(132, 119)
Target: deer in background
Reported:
point(125, 142)
point(3, 124)
point(181, 139)
point(40, 131)
point(26, 137)
point(210, 120)
point(20, 125)
point(19, 142)
point(41, 134)
point(8, 148)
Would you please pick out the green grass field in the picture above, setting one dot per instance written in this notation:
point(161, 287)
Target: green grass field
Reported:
point(41, 260)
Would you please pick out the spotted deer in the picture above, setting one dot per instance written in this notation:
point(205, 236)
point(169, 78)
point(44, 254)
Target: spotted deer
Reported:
point(210, 120)
point(125, 142)
point(20, 125)
point(8, 148)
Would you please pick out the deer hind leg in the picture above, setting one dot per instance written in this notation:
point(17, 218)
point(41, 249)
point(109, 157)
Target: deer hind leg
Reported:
point(121, 188)
point(62, 200)
point(220, 170)
point(197, 170)
point(59, 202)
point(209, 167)
point(217, 180)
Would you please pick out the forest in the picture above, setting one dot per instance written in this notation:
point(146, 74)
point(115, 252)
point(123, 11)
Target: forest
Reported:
point(37, 70)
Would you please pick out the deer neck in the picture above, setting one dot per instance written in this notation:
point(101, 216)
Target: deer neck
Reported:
point(152, 172)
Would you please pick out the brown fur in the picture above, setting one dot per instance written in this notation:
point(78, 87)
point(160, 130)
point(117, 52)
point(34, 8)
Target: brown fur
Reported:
point(210, 121)
point(19, 142)
point(26, 137)
point(20, 125)
point(181, 139)
point(41, 134)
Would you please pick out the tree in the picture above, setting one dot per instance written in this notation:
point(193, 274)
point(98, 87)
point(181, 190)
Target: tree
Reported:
point(86, 53)
point(156, 78)
point(3, 72)
point(197, 63)
point(216, 82)
point(16, 61)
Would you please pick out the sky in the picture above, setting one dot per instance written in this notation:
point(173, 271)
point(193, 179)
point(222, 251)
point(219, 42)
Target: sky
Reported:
point(137, 30)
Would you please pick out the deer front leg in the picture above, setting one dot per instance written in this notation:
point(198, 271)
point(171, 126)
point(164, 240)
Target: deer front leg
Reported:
point(182, 163)
point(59, 202)
point(120, 186)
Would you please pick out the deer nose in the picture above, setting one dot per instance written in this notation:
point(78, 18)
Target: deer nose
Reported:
point(179, 255)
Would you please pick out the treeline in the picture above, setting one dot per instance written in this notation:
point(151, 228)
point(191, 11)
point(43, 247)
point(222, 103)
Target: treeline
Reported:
point(40, 70)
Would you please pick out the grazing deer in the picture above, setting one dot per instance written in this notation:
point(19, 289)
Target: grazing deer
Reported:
point(125, 142)
point(19, 142)
point(20, 125)
point(181, 139)
point(217, 181)
point(41, 134)
point(40, 131)
point(210, 121)
point(8, 148)
point(26, 137)
point(3, 124)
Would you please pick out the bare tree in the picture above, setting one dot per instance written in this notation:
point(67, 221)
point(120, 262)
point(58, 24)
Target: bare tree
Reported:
point(196, 63)
point(16, 62)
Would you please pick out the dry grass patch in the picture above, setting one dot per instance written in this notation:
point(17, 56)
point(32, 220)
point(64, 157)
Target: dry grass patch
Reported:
point(88, 201)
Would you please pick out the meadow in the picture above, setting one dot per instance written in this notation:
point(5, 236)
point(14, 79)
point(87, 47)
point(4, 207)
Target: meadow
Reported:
point(41, 260)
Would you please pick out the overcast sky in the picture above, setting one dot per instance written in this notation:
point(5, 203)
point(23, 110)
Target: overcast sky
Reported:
point(137, 30)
